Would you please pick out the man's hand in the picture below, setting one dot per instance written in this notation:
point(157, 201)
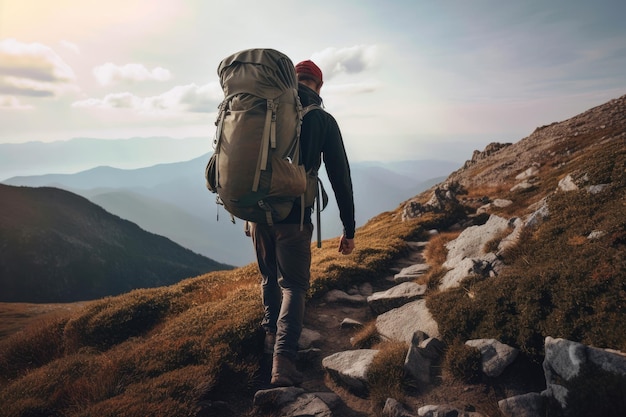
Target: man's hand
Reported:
point(346, 246)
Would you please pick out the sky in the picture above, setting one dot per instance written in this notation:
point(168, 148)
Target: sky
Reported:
point(404, 79)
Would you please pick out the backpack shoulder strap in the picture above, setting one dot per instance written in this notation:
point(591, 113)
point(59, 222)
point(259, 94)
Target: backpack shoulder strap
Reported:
point(310, 107)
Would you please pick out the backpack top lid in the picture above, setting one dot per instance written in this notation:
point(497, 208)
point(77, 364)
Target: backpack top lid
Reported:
point(262, 72)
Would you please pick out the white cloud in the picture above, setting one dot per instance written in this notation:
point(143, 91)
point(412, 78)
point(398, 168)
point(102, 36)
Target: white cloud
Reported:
point(352, 60)
point(110, 73)
point(12, 103)
point(32, 69)
point(352, 88)
point(189, 98)
point(71, 46)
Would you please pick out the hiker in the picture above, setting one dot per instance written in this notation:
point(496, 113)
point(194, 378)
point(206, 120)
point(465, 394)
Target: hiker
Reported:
point(283, 250)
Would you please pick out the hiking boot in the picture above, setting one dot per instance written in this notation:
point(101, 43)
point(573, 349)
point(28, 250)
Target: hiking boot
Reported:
point(284, 372)
point(268, 344)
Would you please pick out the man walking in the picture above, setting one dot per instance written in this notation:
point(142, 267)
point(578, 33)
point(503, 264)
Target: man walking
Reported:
point(283, 250)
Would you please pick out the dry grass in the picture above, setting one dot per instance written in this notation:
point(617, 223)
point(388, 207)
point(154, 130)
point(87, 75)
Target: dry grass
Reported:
point(435, 252)
point(367, 337)
point(386, 373)
point(492, 245)
point(488, 190)
point(461, 362)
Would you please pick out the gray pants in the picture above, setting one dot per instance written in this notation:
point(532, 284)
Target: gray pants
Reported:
point(283, 254)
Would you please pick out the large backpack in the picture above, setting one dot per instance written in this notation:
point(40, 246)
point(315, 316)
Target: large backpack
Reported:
point(256, 168)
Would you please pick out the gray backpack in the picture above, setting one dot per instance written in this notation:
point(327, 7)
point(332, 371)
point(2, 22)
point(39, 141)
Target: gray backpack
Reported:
point(255, 168)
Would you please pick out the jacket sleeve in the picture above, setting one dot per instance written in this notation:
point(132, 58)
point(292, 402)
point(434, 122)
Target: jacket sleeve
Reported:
point(338, 169)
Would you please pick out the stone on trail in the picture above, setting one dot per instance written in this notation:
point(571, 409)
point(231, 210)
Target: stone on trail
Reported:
point(383, 301)
point(411, 272)
point(350, 367)
point(342, 297)
point(401, 323)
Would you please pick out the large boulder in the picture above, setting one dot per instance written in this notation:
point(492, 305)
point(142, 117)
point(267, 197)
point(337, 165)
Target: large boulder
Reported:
point(564, 360)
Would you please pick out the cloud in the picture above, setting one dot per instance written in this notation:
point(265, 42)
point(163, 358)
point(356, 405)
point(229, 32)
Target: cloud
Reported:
point(189, 98)
point(71, 46)
point(32, 69)
point(110, 73)
point(352, 60)
point(12, 103)
point(353, 88)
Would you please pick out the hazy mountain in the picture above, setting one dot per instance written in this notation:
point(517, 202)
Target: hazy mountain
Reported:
point(172, 200)
point(58, 247)
point(79, 154)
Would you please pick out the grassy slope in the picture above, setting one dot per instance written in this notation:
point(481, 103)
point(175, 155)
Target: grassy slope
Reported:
point(557, 282)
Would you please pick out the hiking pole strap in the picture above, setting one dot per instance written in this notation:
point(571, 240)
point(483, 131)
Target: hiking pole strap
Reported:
point(302, 208)
point(318, 215)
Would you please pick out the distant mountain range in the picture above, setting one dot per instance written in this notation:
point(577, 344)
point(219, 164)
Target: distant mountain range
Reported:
point(79, 154)
point(172, 200)
point(56, 246)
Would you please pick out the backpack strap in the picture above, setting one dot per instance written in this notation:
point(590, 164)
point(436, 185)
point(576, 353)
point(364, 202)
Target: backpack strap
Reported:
point(321, 200)
point(217, 141)
point(269, 138)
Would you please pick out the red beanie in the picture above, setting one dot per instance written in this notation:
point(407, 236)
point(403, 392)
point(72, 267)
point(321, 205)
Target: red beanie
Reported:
point(309, 68)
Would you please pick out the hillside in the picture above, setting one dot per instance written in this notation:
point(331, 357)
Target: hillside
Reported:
point(59, 247)
point(556, 268)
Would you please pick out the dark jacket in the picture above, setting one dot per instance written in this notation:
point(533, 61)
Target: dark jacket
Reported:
point(320, 137)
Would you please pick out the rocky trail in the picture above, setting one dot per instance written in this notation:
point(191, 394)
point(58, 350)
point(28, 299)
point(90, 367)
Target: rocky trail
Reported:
point(330, 323)
point(337, 317)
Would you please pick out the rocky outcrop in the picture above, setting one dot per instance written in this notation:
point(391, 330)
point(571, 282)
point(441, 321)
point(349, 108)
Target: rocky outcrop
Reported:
point(546, 146)
point(489, 150)
point(444, 197)
point(568, 367)
point(566, 360)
